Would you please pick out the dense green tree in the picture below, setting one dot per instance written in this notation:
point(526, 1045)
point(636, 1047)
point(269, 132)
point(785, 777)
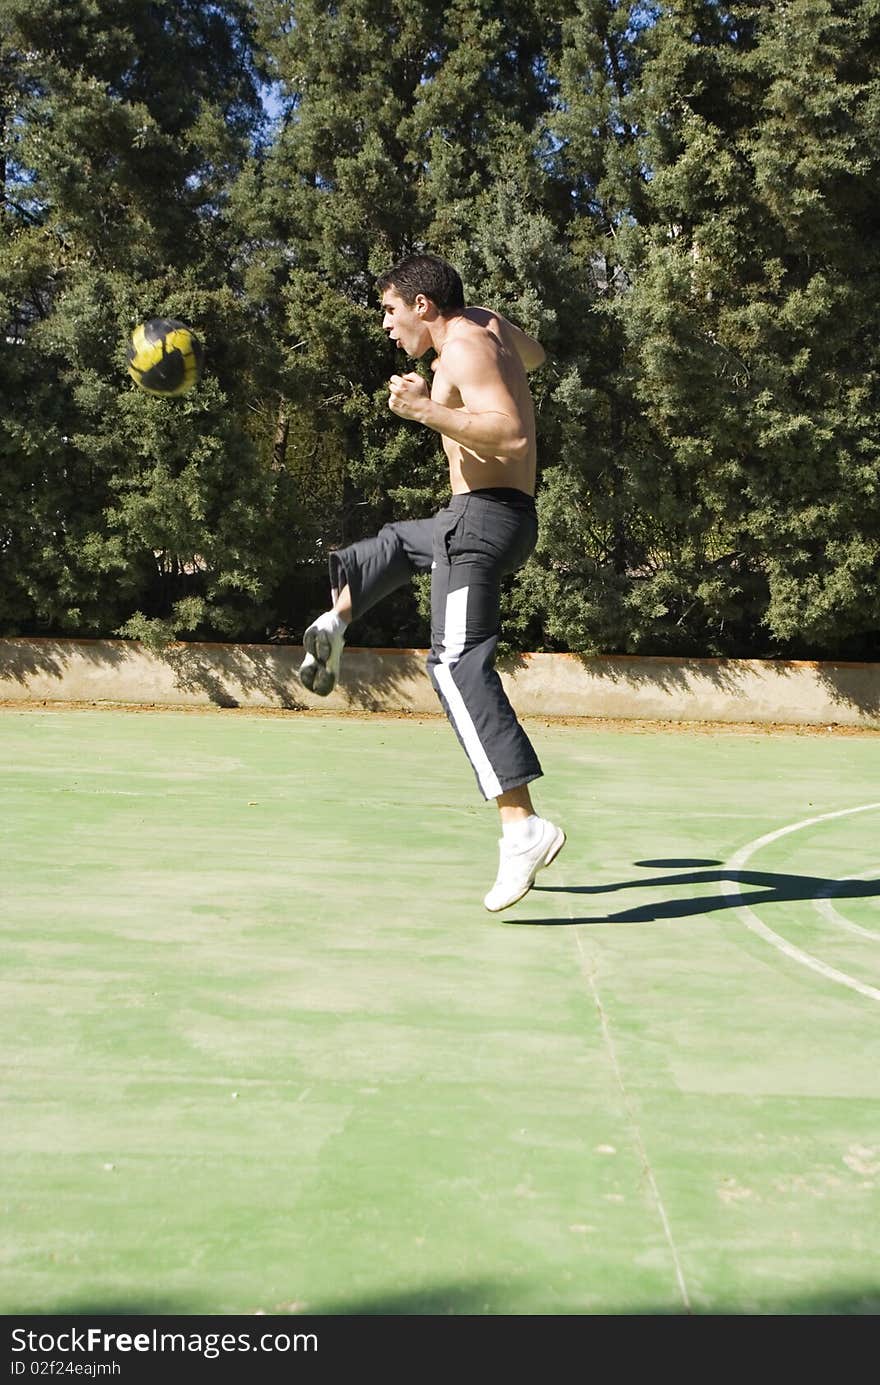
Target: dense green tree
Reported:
point(601, 497)
point(676, 196)
point(751, 282)
point(123, 128)
point(405, 126)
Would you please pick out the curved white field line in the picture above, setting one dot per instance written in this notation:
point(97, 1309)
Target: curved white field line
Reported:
point(833, 916)
point(751, 920)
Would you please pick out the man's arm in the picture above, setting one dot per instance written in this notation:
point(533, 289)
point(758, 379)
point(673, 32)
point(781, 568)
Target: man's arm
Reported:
point(489, 421)
point(530, 351)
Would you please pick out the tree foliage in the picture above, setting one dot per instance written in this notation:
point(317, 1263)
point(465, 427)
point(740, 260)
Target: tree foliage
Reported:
point(124, 129)
point(677, 198)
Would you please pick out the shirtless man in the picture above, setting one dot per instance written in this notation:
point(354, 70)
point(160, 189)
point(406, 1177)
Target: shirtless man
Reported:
point(480, 404)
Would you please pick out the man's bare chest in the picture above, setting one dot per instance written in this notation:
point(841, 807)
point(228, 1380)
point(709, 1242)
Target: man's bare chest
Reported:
point(443, 391)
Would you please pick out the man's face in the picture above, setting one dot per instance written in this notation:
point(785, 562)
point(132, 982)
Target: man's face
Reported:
point(404, 322)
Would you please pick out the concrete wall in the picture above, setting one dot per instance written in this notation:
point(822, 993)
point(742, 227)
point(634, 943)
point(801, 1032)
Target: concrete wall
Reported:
point(546, 685)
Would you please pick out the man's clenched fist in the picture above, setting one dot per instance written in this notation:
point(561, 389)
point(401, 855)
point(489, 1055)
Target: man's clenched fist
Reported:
point(407, 395)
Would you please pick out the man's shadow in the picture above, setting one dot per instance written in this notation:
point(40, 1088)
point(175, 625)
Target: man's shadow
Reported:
point(769, 888)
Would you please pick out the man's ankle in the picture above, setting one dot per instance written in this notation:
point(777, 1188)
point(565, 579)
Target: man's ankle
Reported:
point(331, 622)
point(520, 832)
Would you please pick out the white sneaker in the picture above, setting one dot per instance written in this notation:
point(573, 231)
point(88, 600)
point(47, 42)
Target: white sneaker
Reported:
point(319, 670)
point(517, 869)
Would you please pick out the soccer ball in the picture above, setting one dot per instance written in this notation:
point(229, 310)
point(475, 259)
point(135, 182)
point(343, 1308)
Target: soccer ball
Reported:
point(165, 357)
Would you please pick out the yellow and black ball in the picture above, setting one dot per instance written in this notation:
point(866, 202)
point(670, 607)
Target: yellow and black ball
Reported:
point(165, 357)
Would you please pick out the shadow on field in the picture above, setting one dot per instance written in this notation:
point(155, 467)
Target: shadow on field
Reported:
point(109, 1308)
point(460, 1302)
point(479, 1300)
point(766, 887)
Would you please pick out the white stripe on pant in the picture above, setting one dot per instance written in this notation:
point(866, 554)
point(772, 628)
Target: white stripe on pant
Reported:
point(468, 547)
point(454, 644)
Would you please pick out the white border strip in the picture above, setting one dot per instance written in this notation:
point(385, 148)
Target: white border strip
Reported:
point(751, 920)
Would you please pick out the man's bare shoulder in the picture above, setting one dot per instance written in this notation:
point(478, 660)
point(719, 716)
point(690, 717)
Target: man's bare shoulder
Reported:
point(469, 352)
point(511, 338)
point(482, 317)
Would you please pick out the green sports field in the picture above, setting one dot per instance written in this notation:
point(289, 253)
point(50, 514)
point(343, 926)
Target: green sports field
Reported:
point(265, 1052)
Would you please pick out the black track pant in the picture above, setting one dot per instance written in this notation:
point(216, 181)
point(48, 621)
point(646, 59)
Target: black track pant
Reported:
point(468, 547)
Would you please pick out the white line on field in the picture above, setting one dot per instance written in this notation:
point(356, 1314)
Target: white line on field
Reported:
point(751, 920)
point(833, 916)
point(589, 972)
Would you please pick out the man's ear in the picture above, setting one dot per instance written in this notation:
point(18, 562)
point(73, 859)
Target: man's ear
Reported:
point(423, 306)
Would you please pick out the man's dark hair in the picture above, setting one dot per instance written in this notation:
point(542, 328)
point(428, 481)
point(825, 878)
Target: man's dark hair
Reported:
point(426, 274)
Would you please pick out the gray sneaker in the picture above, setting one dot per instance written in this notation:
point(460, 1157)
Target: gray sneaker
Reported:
point(319, 670)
